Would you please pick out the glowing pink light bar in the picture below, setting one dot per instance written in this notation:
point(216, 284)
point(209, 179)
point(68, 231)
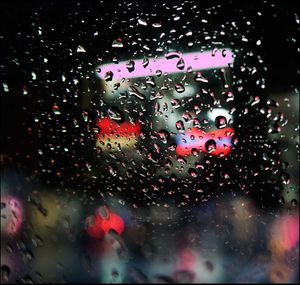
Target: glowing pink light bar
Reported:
point(194, 60)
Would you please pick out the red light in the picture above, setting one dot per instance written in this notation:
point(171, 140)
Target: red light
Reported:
point(102, 222)
point(217, 142)
point(109, 127)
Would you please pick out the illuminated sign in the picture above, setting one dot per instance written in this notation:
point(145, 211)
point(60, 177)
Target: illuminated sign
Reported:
point(173, 62)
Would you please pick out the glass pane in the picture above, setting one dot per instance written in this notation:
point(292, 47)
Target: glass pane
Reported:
point(149, 142)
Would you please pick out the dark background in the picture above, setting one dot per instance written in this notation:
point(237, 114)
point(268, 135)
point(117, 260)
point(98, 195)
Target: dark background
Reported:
point(63, 30)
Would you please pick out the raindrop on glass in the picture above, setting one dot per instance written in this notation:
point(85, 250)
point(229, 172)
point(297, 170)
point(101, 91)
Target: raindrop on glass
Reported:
point(175, 103)
point(115, 114)
point(150, 81)
point(180, 64)
point(145, 62)
point(156, 25)
point(164, 135)
point(136, 93)
point(55, 109)
point(179, 88)
point(210, 145)
point(108, 76)
point(113, 170)
point(117, 43)
point(172, 54)
point(199, 77)
point(142, 22)
point(294, 202)
point(130, 65)
point(285, 178)
point(192, 172)
point(220, 122)
point(179, 125)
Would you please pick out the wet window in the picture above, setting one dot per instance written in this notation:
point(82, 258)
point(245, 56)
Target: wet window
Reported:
point(149, 142)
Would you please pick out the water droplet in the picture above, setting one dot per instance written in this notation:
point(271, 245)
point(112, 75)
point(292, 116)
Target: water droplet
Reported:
point(142, 22)
point(55, 109)
point(117, 43)
point(294, 202)
point(180, 64)
point(220, 122)
point(224, 77)
point(165, 106)
point(173, 54)
point(192, 172)
point(103, 212)
point(115, 114)
point(130, 65)
point(179, 88)
point(28, 255)
point(81, 49)
point(181, 160)
point(175, 103)
point(117, 85)
point(123, 95)
point(164, 135)
point(210, 145)
point(113, 170)
point(108, 76)
point(157, 95)
point(273, 103)
point(156, 107)
point(200, 77)
point(150, 81)
point(285, 178)
point(136, 93)
point(196, 122)
point(281, 200)
point(205, 121)
point(224, 52)
point(145, 62)
point(256, 100)
point(275, 129)
point(229, 97)
point(158, 73)
point(179, 125)
point(115, 276)
point(187, 117)
point(214, 51)
point(5, 87)
point(85, 115)
point(156, 25)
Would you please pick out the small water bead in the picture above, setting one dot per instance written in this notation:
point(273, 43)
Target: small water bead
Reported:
point(220, 122)
point(210, 145)
point(179, 88)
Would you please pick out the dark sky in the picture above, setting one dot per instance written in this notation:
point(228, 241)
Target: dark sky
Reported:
point(276, 27)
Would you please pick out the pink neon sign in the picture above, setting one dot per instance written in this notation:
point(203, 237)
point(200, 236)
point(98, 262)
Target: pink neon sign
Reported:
point(171, 63)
